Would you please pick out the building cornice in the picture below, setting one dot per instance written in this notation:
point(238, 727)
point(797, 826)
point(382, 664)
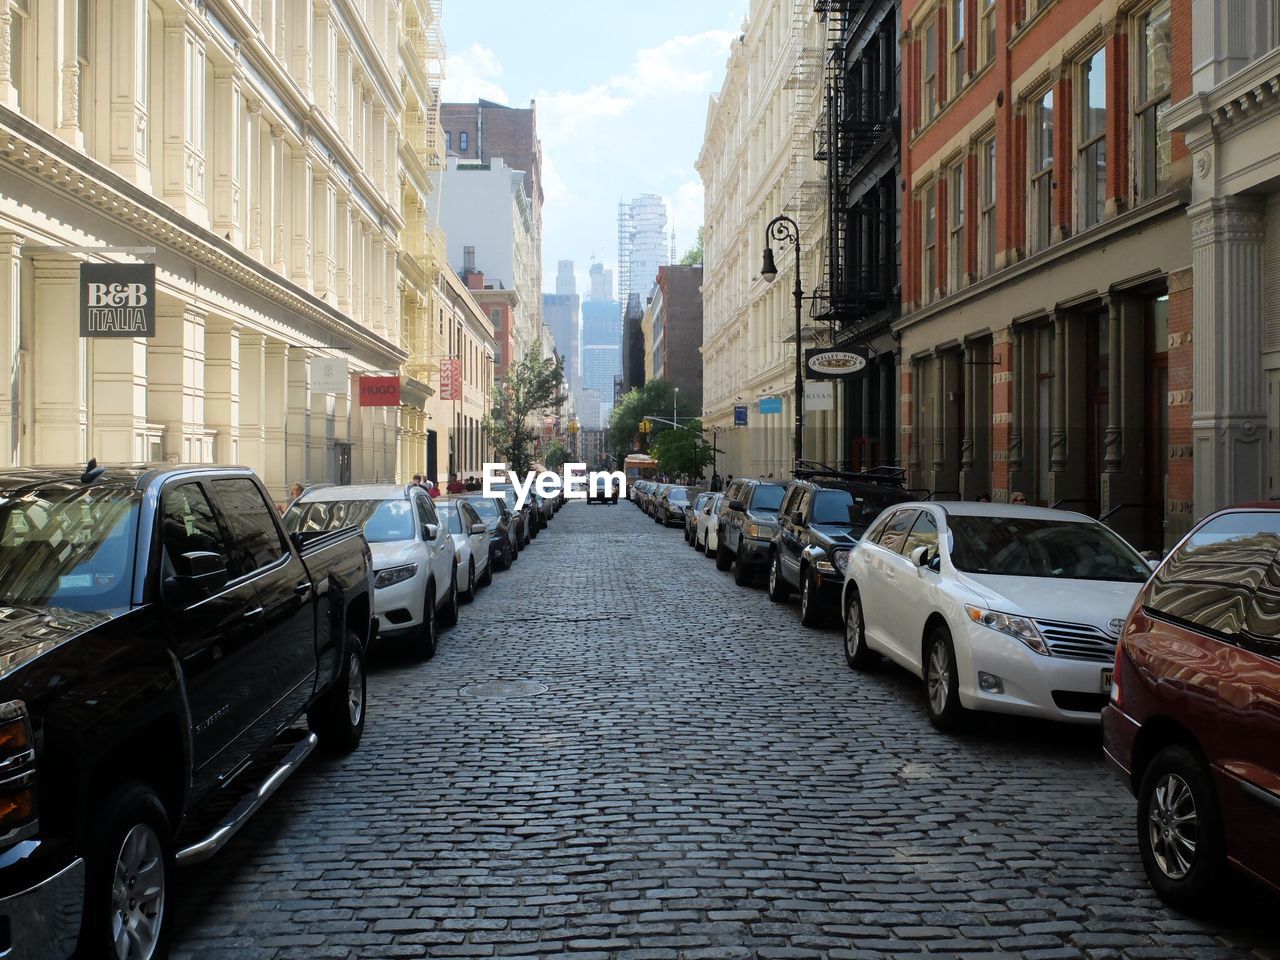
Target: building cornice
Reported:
point(1233, 106)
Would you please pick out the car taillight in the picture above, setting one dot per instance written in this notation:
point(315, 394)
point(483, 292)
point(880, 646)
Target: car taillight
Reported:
point(17, 773)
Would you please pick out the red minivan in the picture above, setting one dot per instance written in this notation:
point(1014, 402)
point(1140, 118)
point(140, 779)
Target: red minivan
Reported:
point(1193, 725)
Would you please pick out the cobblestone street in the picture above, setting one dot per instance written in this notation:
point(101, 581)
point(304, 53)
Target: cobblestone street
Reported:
point(702, 777)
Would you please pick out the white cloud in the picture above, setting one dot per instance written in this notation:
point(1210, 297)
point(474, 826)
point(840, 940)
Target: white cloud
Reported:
point(565, 113)
point(686, 208)
point(680, 65)
point(474, 75)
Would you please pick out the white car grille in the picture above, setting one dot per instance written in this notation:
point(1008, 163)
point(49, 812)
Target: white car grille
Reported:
point(1078, 641)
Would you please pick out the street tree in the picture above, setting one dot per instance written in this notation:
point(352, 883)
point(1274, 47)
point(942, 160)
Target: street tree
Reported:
point(683, 450)
point(654, 399)
point(554, 454)
point(693, 258)
point(533, 388)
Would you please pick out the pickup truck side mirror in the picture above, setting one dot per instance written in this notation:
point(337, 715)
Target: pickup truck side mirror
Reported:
point(737, 506)
point(196, 576)
point(429, 531)
point(479, 528)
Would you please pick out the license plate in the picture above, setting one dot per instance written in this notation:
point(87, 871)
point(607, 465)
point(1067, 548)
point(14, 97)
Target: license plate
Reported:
point(1106, 679)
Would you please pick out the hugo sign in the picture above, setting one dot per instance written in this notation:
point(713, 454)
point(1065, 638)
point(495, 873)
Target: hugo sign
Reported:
point(117, 299)
point(379, 391)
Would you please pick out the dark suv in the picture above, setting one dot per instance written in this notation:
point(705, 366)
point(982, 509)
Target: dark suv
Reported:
point(746, 525)
point(823, 514)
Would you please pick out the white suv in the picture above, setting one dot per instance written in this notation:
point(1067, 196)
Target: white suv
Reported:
point(1005, 608)
point(414, 575)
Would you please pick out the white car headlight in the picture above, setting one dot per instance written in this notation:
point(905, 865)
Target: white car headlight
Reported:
point(385, 578)
point(840, 560)
point(1020, 628)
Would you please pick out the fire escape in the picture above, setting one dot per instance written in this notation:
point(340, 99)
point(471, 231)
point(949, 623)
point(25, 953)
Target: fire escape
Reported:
point(858, 138)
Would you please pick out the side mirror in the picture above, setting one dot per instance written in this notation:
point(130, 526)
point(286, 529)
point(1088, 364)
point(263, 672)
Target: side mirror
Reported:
point(737, 506)
point(797, 518)
point(479, 528)
point(920, 557)
point(196, 576)
point(429, 531)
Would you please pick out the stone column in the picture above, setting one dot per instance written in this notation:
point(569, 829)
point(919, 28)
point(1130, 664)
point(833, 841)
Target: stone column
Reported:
point(277, 198)
point(1228, 420)
point(253, 395)
point(48, 49)
point(298, 420)
point(122, 66)
point(968, 439)
point(58, 364)
point(254, 171)
point(222, 388)
point(939, 419)
point(275, 417)
point(8, 95)
point(299, 180)
point(224, 152)
point(175, 379)
point(10, 347)
point(324, 229)
point(119, 408)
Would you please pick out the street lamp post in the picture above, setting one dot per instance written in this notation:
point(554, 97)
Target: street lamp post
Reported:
point(674, 400)
point(783, 229)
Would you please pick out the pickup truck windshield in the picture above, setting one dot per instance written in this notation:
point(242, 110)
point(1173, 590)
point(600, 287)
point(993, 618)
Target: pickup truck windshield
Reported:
point(384, 521)
point(1025, 547)
point(69, 548)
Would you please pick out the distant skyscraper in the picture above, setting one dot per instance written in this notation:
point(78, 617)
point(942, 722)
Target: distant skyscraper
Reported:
point(642, 245)
point(560, 311)
point(601, 283)
point(601, 337)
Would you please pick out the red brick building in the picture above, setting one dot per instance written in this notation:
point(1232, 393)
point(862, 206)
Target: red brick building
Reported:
point(1046, 256)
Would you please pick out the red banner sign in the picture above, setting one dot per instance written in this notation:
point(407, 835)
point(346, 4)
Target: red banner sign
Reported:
point(451, 379)
point(379, 391)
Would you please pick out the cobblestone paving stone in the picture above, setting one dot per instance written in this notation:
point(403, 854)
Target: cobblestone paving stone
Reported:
point(702, 778)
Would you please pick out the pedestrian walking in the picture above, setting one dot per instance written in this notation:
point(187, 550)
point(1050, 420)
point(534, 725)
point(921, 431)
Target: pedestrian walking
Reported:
point(295, 490)
point(715, 483)
point(455, 485)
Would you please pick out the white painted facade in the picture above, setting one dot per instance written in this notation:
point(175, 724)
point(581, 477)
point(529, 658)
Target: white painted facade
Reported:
point(259, 147)
point(1232, 126)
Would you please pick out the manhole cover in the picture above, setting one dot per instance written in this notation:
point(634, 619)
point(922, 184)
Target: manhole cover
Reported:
point(505, 688)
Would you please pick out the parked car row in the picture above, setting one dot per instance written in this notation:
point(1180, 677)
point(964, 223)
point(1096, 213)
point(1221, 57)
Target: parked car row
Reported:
point(1048, 613)
point(172, 649)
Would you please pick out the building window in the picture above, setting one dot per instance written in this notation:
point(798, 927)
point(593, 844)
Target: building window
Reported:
point(463, 139)
point(448, 140)
point(958, 12)
point(1040, 230)
point(1091, 166)
point(987, 30)
point(21, 46)
point(929, 87)
point(987, 189)
point(955, 248)
point(495, 317)
point(1155, 145)
point(929, 263)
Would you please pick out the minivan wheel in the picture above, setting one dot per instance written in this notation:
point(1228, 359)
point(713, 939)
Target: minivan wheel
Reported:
point(128, 878)
point(941, 681)
point(1180, 830)
point(779, 592)
point(856, 652)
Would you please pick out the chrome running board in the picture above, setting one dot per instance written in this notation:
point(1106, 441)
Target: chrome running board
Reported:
point(248, 805)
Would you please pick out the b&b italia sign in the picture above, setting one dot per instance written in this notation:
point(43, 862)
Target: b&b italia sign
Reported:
point(117, 299)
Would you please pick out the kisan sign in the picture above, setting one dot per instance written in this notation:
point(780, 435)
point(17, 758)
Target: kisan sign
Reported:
point(379, 391)
point(117, 299)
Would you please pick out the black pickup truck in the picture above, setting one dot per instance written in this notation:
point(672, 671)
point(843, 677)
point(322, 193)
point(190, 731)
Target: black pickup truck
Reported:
point(160, 638)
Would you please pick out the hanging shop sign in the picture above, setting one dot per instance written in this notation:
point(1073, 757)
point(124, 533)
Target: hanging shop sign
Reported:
point(740, 415)
point(770, 405)
point(451, 379)
point(330, 375)
point(379, 391)
point(819, 396)
point(826, 363)
point(117, 299)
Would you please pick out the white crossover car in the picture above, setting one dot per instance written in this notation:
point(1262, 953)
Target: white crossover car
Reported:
point(414, 576)
point(1011, 609)
point(470, 543)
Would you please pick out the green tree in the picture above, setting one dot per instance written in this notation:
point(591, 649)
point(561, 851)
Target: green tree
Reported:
point(554, 454)
point(683, 450)
point(693, 258)
point(654, 399)
point(533, 387)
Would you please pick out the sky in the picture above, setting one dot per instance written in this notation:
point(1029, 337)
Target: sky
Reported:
point(622, 89)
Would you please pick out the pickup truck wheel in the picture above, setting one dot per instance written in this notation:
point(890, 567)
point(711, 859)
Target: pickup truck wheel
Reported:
point(469, 594)
point(779, 592)
point(724, 559)
point(338, 716)
point(130, 871)
point(449, 612)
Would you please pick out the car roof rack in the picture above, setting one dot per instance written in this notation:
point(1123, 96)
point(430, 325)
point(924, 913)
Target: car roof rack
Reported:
point(884, 476)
